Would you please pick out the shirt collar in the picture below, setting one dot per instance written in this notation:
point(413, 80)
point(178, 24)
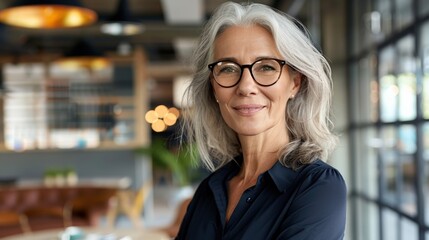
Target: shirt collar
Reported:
point(223, 174)
point(282, 176)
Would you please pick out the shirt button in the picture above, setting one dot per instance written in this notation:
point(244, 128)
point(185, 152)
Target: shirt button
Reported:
point(249, 199)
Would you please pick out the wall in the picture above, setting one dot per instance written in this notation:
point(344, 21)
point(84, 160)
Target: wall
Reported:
point(87, 163)
point(334, 47)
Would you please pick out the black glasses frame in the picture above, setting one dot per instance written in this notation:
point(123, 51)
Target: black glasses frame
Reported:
point(249, 66)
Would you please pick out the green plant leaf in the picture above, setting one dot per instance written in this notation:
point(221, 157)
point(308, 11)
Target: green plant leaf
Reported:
point(179, 163)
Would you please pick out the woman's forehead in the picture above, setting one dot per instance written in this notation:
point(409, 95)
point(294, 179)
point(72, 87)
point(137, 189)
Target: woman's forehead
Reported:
point(249, 41)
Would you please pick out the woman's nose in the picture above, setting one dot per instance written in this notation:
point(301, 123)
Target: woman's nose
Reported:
point(247, 84)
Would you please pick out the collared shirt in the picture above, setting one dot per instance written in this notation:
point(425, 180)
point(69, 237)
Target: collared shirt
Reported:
point(309, 203)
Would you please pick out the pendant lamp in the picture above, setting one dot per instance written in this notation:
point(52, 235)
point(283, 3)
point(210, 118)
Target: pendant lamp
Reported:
point(121, 23)
point(83, 54)
point(162, 117)
point(47, 14)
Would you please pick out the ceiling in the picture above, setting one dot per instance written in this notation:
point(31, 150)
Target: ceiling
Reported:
point(169, 28)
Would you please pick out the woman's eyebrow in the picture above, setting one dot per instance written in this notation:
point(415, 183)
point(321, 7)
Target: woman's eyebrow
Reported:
point(233, 59)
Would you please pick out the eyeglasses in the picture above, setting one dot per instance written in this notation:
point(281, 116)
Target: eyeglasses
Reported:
point(265, 72)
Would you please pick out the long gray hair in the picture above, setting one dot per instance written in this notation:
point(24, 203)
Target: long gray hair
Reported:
point(307, 115)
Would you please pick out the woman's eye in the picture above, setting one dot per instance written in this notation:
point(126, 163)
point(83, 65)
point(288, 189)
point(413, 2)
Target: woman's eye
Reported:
point(266, 68)
point(228, 69)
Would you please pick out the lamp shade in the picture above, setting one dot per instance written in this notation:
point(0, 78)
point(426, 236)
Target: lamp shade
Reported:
point(83, 54)
point(47, 14)
point(122, 23)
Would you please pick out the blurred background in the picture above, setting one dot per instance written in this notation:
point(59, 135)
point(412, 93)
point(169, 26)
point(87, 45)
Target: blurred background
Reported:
point(96, 95)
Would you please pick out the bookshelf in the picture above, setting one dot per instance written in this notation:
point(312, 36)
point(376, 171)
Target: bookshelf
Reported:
point(46, 107)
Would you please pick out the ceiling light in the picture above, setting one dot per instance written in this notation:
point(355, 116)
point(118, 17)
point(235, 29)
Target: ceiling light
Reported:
point(83, 55)
point(162, 117)
point(47, 14)
point(121, 23)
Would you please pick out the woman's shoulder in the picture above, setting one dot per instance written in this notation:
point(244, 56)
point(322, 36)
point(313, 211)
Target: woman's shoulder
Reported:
point(322, 173)
point(319, 167)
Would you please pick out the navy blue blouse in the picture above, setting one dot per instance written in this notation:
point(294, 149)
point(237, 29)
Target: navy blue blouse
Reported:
point(309, 203)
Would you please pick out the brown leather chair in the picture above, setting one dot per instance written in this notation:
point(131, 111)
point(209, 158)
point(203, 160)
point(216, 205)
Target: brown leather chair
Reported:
point(54, 207)
point(13, 223)
point(86, 209)
point(45, 217)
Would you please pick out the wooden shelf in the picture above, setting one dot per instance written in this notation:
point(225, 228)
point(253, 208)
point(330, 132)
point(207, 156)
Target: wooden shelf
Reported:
point(62, 105)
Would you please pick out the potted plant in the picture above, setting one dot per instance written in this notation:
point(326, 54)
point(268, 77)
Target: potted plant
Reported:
point(180, 161)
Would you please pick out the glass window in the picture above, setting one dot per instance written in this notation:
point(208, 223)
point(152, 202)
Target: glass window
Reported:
point(424, 51)
point(404, 13)
point(390, 182)
point(390, 108)
point(367, 11)
point(367, 145)
point(372, 226)
point(406, 146)
point(426, 162)
point(388, 88)
point(357, 28)
point(359, 219)
point(364, 78)
point(425, 97)
point(406, 79)
point(388, 98)
point(367, 217)
point(426, 142)
point(397, 154)
point(390, 224)
point(423, 7)
point(398, 84)
point(407, 96)
point(407, 140)
point(365, 90)
point(360, 166)
point(409, 230)
point(384, 7)
point(361, 35)
point(355, 77)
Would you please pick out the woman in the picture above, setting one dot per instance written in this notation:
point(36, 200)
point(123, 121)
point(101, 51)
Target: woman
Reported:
point(261, 97)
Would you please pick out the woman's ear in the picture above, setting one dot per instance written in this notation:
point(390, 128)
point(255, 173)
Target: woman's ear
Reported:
point(297, 79)
point(214, 94)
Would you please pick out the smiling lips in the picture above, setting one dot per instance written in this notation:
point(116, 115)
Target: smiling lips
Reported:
point(248, 109)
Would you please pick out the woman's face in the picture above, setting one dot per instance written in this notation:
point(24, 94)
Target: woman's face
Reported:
point(248, 108)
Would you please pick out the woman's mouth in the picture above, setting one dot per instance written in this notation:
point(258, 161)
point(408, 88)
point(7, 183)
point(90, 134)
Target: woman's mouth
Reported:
point(248, 109)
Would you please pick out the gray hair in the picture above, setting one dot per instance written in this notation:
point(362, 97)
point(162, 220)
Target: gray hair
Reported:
point(307, 115)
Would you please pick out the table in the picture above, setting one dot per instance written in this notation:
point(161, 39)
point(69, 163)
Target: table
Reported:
point(134, 234)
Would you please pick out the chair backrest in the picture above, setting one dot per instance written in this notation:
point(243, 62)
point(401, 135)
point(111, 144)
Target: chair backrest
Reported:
point(130, 203)
point(8, 218)
point(141, 197)
point(88, 200)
